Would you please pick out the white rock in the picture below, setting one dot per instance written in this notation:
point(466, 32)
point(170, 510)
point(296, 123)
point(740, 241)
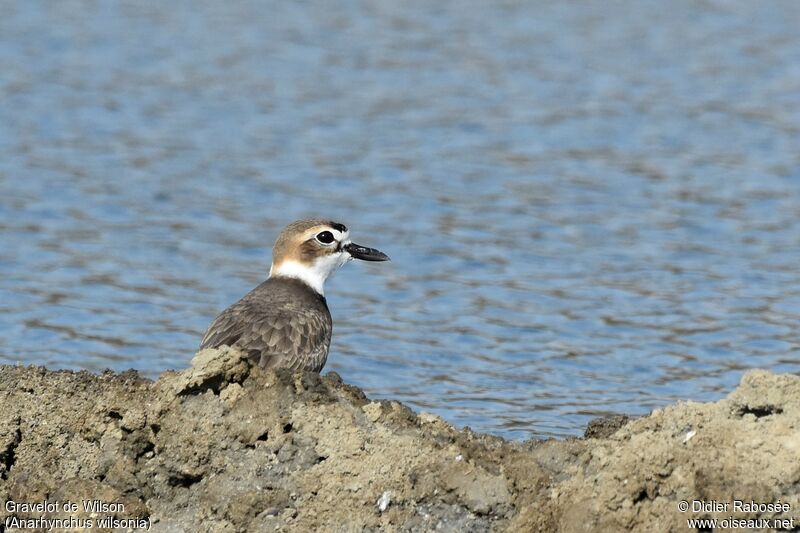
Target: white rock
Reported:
point(384, 501)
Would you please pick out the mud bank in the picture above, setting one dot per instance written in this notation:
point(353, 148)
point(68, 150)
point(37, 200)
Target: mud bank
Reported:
point(224, 447)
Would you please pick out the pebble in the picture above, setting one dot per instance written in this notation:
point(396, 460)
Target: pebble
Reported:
point(384, 501)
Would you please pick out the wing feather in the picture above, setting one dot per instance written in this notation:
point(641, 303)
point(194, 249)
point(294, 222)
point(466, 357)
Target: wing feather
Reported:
point(286, 337)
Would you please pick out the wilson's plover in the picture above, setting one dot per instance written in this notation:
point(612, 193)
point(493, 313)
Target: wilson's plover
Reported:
point(285, 322)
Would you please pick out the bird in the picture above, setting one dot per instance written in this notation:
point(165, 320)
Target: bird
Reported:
point(284, 322)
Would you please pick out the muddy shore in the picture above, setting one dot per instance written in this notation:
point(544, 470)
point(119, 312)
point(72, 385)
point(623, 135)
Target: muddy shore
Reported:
point(225, 447)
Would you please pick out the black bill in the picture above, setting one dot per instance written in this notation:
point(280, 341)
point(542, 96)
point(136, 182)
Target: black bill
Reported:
point(364, 253)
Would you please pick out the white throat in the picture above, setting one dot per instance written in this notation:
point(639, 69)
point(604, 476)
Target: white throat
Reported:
point(313, 275)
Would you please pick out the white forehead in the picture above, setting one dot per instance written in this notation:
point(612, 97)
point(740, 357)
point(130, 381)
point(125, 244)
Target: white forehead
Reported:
point(340, 236)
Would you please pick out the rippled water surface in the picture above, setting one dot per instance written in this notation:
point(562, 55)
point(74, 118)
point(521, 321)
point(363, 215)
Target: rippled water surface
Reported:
point(591, 207)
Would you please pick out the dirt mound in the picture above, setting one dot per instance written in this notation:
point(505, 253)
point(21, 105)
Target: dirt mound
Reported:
point(226, 447)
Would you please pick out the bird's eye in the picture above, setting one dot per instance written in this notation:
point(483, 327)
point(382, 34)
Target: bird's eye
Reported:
point(325, 237)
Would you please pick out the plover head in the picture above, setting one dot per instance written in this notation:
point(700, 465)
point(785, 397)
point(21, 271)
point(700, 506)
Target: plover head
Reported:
point(313, 249)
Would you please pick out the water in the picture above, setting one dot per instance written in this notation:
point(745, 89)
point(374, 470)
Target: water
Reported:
point(590, 207)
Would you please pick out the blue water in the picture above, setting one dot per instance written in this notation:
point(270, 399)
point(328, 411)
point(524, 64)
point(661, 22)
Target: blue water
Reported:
point(591, 207)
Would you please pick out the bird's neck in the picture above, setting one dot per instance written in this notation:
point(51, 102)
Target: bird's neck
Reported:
point(308, 274)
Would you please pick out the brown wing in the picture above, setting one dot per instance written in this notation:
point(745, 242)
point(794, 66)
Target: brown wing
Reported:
point(285, 338)
point(227, 328)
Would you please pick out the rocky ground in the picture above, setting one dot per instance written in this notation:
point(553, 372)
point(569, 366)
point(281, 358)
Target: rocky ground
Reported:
point(225, 447)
